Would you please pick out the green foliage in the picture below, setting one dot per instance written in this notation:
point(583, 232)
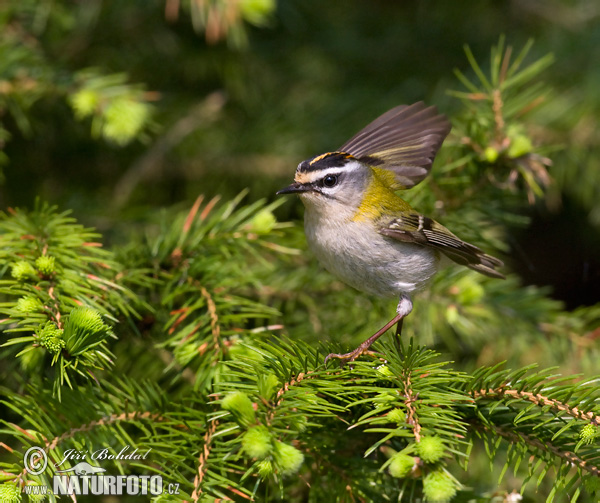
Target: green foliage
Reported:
point(439, 487)
point(401, 465)
point(10, 493)
point(240, 407)
point(496, 105)
point(57, 291)
point(431, 449)
point(120, 112)
point(287, 458)
point(220, 20)
point(256, 442)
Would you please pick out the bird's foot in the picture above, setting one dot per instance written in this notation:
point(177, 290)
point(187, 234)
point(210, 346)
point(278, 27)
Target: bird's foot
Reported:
point(364, 347)
point(344, 358)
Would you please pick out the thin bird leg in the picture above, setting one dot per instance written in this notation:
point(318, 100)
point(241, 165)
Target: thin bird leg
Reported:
point(403, 309)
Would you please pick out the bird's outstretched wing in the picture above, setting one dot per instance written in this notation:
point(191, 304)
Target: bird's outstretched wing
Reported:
point(415, 228)
point(403, 141)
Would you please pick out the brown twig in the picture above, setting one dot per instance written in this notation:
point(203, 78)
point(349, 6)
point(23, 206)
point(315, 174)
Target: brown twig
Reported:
point(538, 399)
point(411, 417)
point(215, 327)
point(281, 391)
point(202, 460)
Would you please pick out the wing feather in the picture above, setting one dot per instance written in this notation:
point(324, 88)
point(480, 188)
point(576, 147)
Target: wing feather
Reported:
point(415, 228)
point(403, 140)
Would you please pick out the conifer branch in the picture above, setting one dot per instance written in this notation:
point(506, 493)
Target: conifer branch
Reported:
point(54, 310)
point(215, 328)
point(287, 385)
point(538, 399)
point(281, 391)
point(411, 416)
point(202, 460)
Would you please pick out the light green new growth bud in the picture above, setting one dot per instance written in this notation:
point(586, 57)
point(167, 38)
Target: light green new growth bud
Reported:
point(589, 433)
point(257, 443)
point(257, 11)
point(439, 487)
point(22, 270)
point(396, 416)
point(240, 405)
point(29, 305)
point(51, 338)
point(287, 458)
point(54, 345)
point(431, 449)
point(265, 468)
point(263, 222)
point(124, 118)
point(87, 319)
point(46, 264)
point(84, 329)
point(49, 330)
point(490, 154)
point(519, 145)
point(401, 465)
point(10, 493)
point(267, 385)
point(84, 102)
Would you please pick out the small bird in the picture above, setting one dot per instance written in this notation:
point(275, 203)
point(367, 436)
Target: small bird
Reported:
point(362, 231)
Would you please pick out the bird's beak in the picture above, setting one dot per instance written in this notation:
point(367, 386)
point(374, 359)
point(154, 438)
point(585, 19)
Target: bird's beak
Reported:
point(295, 188)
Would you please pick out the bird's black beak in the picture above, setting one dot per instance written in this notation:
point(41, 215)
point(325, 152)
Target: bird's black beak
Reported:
point(295, 188)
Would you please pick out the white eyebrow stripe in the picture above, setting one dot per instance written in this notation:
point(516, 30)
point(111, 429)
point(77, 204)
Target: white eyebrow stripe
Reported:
point(313, 176)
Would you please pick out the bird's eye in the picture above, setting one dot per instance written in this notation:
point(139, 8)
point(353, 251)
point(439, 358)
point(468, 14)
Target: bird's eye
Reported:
point(330, 180)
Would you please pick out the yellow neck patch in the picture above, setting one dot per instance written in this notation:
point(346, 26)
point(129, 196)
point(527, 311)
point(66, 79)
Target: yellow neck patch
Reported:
point(379, 199)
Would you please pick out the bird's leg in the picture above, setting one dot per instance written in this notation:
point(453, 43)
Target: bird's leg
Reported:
point(403, 309)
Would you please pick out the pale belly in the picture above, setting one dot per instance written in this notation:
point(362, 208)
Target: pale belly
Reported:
point(364, 259)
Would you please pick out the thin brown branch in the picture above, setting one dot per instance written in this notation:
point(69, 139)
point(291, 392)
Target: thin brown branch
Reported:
point(540, 400)
point(54, 310)
point(281, 391)
point(411, 417)
point(202, 460)
point(215, 327)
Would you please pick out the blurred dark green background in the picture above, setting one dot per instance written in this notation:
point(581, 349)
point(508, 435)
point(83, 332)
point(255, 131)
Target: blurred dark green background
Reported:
point(237, 93)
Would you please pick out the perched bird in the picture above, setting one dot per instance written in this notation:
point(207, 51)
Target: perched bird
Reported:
point(362, 231)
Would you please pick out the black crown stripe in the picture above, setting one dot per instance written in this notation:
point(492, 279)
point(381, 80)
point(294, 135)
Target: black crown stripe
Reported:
point(326, 160)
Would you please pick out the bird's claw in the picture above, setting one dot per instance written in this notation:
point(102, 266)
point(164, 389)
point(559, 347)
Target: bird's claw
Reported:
point(351, 356)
